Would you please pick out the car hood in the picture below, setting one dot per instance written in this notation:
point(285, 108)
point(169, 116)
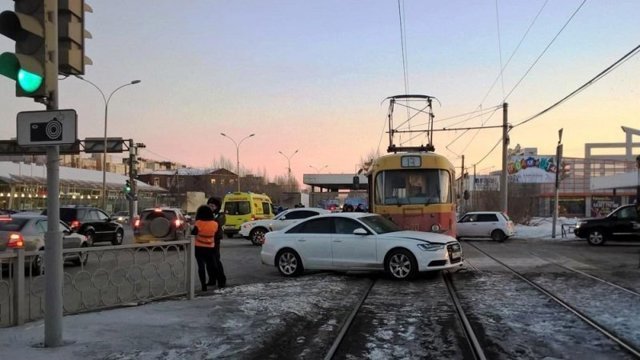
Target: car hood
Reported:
point(421, 236)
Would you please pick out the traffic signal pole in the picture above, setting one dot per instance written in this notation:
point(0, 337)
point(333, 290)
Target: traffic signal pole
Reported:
point(53, 276)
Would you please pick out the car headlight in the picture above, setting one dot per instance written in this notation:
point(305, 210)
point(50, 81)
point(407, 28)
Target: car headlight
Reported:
point(579, 223)
point(430, 246)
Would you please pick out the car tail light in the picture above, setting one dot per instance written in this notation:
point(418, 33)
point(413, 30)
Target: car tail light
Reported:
point(75, 224)
point(136, 223)
point(178, 223)
point(15, 241)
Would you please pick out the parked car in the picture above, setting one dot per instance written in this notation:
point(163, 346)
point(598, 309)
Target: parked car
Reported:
point(485, 224)
point(255, 230)
point(160, 224)
point(358, 241)
point(622, 223)
point(27, 230)
point(121, 216)
point(91, 222)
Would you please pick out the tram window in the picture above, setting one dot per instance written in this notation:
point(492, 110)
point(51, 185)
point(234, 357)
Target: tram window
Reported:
point(425, 186)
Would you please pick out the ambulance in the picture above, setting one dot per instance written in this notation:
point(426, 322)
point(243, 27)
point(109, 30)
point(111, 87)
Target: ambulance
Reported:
point(240, 207)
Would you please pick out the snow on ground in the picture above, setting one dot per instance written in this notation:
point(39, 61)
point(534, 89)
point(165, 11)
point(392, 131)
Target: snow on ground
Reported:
point(541, 228)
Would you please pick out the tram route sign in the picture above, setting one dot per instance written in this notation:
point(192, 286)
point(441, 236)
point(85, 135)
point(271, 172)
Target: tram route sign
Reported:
point(52, 127)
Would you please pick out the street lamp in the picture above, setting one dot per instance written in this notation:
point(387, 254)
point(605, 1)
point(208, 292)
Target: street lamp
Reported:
point(318, 170)
point(106, 116)
point(237, 144)
point(288, 160)
point(288, 165)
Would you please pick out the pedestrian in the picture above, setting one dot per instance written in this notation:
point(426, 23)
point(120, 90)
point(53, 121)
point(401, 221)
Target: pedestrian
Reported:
point(205, 229)
point(216, 204)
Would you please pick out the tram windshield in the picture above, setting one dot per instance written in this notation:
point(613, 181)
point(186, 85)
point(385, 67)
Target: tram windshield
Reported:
point(415, 186)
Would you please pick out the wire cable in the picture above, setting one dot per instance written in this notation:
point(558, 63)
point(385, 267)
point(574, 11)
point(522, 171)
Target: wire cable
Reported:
point(545, 50)
point(512, 55)
point(499, 45)
point(602, 74)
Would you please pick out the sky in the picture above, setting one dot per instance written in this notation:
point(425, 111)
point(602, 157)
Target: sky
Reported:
point(312, 76)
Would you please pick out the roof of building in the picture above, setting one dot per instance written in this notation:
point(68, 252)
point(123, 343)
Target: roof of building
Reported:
point(11, 172)
point(185, 171)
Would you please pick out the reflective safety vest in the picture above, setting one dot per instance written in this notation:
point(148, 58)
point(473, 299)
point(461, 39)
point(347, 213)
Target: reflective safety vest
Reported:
point(206, 233)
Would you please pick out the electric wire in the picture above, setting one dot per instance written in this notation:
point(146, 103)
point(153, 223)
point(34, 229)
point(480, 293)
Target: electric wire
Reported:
point(499, 45)
point(512, 55)
point(602, 74)
point(544, 51)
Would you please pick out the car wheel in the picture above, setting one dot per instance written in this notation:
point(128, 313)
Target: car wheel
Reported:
point(37, 265)
point(83, 256)
point(118, 239)
point(596, 237)
point(401, 264)
point(91, 237)
point(257, 236)
point(498, 235)
point(289, 263)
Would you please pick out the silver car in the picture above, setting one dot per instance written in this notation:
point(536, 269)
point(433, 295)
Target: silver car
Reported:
point(27, 230)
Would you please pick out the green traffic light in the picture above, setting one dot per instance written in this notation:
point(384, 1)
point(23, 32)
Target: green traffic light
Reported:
point(29, 82)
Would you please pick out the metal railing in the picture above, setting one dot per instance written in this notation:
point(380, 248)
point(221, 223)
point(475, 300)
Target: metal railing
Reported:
point(103, 277)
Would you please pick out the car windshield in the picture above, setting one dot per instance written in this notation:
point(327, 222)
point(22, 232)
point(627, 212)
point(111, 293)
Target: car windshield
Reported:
point(12, 224)
point(380, 224)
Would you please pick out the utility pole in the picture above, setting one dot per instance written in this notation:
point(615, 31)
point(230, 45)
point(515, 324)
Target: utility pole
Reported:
point(505, 144)
point(556, 206)
point(462, 186)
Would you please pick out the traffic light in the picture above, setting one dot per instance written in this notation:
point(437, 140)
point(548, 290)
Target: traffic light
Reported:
point(127, 187)
point(30, 66)
point(71, 35)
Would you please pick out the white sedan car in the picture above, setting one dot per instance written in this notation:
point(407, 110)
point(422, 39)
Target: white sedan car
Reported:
point(358, 241)
point(255, 230)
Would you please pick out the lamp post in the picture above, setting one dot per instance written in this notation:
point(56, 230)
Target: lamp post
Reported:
point(106, 99)
point(237, 144)
point(288, 165)
point(319, 170)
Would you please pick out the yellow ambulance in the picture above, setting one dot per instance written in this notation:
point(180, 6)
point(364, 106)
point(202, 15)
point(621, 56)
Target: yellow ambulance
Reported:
point(240, 207)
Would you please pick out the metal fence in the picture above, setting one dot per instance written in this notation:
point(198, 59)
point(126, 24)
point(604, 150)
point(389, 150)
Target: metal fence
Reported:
point(97, 278)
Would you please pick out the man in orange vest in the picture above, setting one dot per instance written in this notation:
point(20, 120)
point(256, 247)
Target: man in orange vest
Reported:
point(205, 230)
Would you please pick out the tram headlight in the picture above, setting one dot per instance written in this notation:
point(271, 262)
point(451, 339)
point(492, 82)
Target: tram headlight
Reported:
point(430, 246)
point(435, 228)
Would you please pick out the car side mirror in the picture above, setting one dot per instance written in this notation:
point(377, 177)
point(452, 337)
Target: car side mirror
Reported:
point(283, 218)
point(66, 232)
point(360, 231)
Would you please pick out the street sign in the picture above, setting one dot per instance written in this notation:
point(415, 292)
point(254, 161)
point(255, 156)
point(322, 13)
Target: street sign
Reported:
point(53, 127)
point(96, 145)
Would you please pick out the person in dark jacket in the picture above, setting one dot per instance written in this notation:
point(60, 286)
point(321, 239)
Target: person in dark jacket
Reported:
point(216, 204)
point(205, 230)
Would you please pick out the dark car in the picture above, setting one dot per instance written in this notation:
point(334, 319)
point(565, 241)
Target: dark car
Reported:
point(622, 223)
point(160, 224)
point(93, 223)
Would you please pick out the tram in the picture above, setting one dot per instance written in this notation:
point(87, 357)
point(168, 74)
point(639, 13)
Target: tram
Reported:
point(412, 185)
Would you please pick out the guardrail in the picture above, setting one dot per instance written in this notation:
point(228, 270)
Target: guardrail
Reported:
point(104, 277)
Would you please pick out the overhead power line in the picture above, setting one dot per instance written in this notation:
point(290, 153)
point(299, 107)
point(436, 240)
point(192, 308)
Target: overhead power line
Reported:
point(544, 51)
point(602, 74)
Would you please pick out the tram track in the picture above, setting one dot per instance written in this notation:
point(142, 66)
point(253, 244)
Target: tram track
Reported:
point(591, 276)
point(608, 333)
